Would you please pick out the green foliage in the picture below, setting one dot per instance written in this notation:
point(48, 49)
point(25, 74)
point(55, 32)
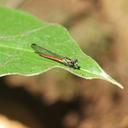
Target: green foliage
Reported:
point(19, 30)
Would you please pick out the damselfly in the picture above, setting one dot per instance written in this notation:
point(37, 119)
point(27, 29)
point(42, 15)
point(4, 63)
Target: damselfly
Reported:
point(53, 56)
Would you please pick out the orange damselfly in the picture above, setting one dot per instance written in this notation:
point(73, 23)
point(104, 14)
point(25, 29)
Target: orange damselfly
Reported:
point(73, 63)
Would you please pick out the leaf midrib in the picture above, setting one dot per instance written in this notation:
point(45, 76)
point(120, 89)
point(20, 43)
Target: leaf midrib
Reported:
point(16, 48)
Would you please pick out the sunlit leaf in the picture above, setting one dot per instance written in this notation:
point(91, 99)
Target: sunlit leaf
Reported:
point(18, 30)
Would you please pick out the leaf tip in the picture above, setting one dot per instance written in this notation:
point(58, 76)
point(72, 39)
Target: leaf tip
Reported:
point(105, 76)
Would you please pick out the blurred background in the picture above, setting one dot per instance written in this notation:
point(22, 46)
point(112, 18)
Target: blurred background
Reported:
point(58, 99)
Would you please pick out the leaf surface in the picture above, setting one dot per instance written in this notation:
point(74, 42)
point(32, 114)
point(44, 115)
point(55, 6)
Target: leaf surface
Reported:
point(18, 30)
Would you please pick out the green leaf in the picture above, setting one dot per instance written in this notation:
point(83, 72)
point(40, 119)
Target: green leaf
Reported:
point(19, 30)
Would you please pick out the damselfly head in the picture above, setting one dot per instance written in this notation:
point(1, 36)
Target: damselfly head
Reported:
point(71, 63)
point(76, 66)
point(75, 60)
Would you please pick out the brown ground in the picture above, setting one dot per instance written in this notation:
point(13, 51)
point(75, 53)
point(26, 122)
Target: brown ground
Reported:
point(66, 101)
